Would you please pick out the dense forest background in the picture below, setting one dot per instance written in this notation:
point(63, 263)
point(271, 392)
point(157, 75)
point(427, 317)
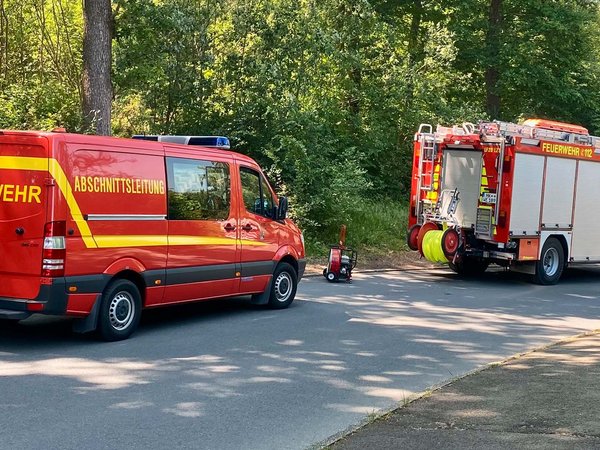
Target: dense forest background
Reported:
point(325, 94)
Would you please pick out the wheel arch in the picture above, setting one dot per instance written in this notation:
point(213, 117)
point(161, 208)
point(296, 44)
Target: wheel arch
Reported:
point(135, 278)
point(291, 261)
point(289, 255)
point(563, 237)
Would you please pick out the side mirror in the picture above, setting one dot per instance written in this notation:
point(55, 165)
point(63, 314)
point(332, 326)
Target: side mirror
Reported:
point(282, 208)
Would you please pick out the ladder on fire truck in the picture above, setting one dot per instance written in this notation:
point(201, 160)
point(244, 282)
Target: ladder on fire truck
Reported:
point(428, 153)
point(526, 131)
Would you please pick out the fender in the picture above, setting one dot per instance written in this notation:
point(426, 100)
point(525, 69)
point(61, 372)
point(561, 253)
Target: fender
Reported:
point(125, 264)
point(285, 251)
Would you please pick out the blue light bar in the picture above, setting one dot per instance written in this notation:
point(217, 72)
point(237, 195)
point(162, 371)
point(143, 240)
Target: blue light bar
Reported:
point(204, 141)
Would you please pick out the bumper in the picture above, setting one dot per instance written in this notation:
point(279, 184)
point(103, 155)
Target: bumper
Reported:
point(52, 299)
point(301, 268)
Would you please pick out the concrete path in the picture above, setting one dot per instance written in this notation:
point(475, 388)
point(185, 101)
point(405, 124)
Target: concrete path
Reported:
point(546, 399)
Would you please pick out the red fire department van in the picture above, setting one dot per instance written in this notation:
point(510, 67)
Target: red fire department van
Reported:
point(522, 196)
point(100, 228)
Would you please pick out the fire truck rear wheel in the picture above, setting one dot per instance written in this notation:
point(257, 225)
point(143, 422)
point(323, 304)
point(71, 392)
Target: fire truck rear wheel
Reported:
point(549, 268)
point(469, 267)
point(120, 310)
point(283, 287)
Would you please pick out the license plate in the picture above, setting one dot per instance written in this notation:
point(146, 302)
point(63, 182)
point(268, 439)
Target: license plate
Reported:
point(488, 197)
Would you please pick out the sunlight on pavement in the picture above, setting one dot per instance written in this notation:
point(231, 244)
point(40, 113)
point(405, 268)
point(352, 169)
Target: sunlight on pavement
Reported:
point(102, 374)
point(186, 409)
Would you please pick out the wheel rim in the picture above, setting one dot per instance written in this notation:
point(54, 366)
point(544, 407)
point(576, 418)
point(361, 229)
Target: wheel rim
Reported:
point(331, 276)
point(450, 241)
point(551, 262)
point(121, 310)
point(283, 287)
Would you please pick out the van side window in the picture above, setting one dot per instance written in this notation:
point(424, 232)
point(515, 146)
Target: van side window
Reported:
point(198, 190)
point(256, 193)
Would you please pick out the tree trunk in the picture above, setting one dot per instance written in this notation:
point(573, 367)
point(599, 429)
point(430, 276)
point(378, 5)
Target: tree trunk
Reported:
point(97, 61)
point(492, 72)
point(414, 52)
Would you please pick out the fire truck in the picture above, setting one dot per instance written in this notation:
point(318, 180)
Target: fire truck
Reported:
point(523, 196)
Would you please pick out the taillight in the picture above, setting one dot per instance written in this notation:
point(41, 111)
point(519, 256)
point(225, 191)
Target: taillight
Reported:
point(53, 257)
point(502, 219)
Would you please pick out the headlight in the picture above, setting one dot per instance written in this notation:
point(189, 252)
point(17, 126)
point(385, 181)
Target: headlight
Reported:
point(302, 239)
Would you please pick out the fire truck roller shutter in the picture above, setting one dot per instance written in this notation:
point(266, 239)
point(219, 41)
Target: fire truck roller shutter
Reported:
point(558, 193)
point(462, 171)
point(586, 238)
point(526, 195)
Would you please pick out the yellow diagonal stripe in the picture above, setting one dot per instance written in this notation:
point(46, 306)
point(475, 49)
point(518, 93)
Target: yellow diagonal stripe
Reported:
point(52, 166)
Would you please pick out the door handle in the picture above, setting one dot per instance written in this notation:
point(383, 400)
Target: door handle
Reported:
point(247, 227)
point(229, 227)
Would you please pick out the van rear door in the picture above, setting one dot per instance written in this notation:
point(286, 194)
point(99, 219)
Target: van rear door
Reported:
point(23, 193)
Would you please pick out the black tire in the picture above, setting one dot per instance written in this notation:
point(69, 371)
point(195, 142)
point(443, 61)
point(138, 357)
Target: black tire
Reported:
point(469, 267)
point(283, 287)
point(551, 265)
point(120, 311)
point(331, 277)
point(9, 323)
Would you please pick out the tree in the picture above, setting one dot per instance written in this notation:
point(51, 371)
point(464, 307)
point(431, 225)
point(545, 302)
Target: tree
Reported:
point(97, 61)
point(492, 71)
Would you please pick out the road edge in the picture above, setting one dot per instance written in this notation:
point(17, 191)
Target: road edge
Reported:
point(376, 415)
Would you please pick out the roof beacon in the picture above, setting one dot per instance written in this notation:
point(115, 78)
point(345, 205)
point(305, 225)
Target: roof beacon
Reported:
point(204, 141)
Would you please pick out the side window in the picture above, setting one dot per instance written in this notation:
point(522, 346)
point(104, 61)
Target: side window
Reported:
point(267, 198)
point(256, 193)
point(198, 190)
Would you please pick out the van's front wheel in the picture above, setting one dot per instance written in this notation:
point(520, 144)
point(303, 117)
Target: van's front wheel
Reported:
point(283, 286)
point(120, 311)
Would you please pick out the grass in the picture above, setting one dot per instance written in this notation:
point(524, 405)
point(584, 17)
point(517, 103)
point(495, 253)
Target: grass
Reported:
point(376, 230)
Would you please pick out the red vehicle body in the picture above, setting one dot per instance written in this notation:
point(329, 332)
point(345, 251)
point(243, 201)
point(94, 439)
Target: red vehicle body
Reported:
point(98, 228)
point(522, 196)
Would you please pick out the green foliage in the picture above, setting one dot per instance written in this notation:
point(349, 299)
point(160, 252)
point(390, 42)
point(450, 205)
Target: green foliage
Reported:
point(326, 95)
point(375, 228)
point(40, 63)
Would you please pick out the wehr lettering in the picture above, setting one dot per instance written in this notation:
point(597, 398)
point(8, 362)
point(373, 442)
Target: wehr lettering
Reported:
point(19, 193)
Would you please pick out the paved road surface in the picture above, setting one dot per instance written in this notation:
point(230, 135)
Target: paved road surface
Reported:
point(229, 375)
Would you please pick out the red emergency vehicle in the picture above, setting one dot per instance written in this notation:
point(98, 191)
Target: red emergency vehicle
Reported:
point(99, 228)
point(519, 195)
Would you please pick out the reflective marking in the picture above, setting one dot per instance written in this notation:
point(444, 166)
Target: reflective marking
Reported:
point(52, 166)
point(125, 217)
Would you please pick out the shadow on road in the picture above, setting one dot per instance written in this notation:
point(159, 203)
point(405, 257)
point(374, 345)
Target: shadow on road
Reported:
point(47, 331)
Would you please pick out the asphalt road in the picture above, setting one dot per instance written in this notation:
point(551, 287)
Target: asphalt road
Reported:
point(229, 375)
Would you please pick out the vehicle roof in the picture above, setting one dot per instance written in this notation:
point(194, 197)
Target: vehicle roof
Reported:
point(119, 141)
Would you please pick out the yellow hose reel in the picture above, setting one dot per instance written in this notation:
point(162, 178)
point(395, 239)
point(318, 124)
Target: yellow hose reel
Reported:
point(437, 246)
point(432, 247)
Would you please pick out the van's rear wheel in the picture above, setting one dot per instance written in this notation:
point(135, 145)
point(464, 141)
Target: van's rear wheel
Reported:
point(549, 268)
point(120, 311)
point(283, 287)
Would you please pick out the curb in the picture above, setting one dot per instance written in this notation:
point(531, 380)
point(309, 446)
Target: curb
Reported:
point(376, 415)
point(403, 269)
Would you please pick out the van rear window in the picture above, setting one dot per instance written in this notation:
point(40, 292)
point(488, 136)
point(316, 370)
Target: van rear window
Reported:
point(198, 190)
